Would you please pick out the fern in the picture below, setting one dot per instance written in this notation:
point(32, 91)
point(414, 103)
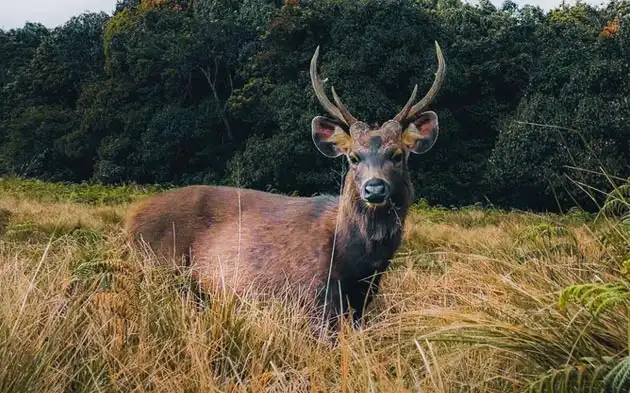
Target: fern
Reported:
point(618, 379)
point(618, 201)
point(587, 376)
point(548, 232)
point(615, 240)
point(112, 290)
point(547, 240)
point(597, 298)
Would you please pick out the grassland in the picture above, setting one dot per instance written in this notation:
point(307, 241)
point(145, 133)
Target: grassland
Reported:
point(476, 301)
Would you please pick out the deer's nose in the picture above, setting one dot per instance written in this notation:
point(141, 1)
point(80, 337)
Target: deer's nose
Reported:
point(375, 191)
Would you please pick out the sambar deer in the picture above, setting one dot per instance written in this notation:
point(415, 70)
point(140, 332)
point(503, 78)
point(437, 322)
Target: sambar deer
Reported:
point(336, 247)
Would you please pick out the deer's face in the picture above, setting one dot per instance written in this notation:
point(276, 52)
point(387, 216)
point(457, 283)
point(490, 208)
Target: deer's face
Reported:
point(377, 155)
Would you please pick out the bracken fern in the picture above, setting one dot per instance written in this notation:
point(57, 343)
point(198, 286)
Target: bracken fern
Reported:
point(618, 379)
point(587, 376)
point(617, 203)
point(597, 298)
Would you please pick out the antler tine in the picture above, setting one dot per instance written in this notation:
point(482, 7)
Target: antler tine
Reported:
point(405, 110)
point(426, 100)
point(340, 112)
point(342, 108)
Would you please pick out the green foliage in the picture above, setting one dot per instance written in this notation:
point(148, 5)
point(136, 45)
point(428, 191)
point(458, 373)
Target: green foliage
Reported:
point(466, 216)
point(616, 238)
point(617, 203)
point(537, 160)
point(597, 298)
point(584, 377)
point(578, 216)
point(568, 128)
point(93, 194)
point(591, 374)
point(98, 274)
point(618, 379)
point(30, 148)
point(18, 47)
point(218, 92)
point(547, 240)
point(120, 22)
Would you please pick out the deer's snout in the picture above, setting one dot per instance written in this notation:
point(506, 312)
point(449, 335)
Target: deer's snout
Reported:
point(375, 191)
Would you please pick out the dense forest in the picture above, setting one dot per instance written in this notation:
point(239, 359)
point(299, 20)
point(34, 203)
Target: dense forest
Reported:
point(533, 109)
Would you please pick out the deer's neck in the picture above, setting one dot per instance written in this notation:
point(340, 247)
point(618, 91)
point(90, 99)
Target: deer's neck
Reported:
point(368, 237)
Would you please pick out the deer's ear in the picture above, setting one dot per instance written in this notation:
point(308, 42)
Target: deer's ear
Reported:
point(331, 140)
point(421, 134)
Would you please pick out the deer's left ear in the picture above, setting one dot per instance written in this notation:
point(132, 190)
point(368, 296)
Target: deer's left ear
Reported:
point(421, 134)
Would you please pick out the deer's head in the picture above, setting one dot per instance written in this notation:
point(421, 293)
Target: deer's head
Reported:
point(377, 155)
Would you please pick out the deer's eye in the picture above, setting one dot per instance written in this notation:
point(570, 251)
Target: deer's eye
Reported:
point(354, 159)
point(397, 157)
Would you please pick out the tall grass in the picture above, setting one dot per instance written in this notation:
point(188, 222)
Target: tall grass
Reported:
point(471, 304)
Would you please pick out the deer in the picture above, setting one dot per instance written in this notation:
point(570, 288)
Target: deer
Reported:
point(336, 247)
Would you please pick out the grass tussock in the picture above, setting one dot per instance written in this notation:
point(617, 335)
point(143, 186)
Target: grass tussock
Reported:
point(475, 301)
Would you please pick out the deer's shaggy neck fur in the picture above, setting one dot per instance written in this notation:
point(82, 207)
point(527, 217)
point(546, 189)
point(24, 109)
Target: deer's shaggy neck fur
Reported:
point(373, 225)
point(367, 239)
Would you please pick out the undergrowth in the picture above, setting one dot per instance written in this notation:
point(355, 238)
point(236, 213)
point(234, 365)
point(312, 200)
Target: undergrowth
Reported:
point(477, 300)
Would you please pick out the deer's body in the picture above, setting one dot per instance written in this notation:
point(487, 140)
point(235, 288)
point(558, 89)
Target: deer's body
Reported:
point(246, 239)
point(239, 236)
point(331, 248)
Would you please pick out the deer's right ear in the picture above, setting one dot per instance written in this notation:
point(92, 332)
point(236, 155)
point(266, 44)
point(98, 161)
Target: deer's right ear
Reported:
point(331, 140)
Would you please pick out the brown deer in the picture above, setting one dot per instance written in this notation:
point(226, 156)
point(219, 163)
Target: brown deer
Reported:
point(335, 247)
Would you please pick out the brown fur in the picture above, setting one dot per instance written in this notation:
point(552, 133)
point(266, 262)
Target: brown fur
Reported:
point(210, 218)
point(245, 236)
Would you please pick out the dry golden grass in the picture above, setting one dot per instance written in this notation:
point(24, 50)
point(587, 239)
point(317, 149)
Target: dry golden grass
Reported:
point(469, 305)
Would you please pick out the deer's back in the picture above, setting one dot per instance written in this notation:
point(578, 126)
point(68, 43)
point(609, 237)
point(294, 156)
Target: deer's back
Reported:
point(238, 236)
